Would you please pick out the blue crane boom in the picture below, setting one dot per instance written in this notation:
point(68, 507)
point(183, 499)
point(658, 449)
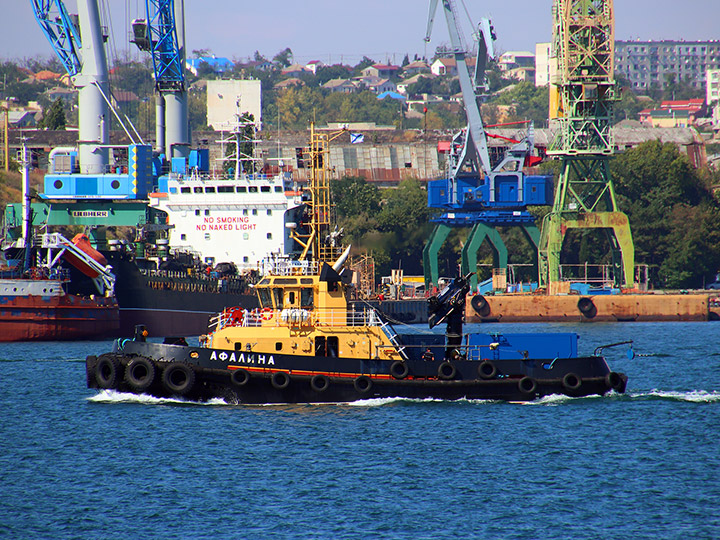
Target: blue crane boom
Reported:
point(61, 31)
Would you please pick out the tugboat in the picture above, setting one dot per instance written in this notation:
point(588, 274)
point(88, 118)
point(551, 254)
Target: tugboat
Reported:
point(308, 343)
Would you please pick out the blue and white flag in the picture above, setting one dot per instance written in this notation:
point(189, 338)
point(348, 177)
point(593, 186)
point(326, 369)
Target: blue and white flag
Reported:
point(357, 138)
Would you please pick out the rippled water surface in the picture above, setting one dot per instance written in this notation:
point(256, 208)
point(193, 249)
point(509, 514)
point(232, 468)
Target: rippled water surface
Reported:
point(75, 463)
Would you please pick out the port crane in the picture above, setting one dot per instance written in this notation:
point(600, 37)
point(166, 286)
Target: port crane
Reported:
point(478, 193)
point(162, 34)
point(582, 94)
point(78, 42)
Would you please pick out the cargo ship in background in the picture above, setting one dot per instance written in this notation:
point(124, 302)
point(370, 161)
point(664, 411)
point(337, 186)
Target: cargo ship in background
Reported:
point(36, 298)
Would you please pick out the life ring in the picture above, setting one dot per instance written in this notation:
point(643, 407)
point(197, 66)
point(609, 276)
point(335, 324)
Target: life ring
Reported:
point(446, 371)
point(587, 307)
point(178, 378)
point(480, 304)
point(319, 383)
point(527, 385)
point(140, 373)
point(614, 380)
point(363, 384)
point(487, 370)
point(240, 377)
point(106, 371)
point(399, 370)
point(280, 380)
point(266, 314)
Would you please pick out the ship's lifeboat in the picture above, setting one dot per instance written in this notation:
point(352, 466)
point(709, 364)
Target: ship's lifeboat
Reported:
point(82, 242)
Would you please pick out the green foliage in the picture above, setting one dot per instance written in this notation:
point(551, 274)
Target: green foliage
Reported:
point(327, 73)
point(392, 225)
point(529, 102)
point(354, 196)
point(54, 117)
point(628, 107)
point(675, 219)
point(283, 58)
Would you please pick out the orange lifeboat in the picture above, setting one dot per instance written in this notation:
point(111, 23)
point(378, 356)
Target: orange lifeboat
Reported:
point(82, 242)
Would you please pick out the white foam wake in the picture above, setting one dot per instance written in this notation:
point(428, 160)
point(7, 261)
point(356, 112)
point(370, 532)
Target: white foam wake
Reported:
point(112, 396)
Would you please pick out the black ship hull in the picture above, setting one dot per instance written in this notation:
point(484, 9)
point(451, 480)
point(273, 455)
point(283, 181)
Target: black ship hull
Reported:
point(200, 374)
point(177, 303)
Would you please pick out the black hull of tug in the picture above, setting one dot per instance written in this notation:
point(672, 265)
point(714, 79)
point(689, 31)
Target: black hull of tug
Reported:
point(200, 374)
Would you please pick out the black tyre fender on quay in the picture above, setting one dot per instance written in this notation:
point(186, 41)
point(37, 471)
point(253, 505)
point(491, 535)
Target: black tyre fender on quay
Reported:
point(178, 378)
point(363, 384)
point(240, 377)
point(106, 371)
point(587, 307)
point(480, 304)
point(527, 385)
point(571, 382)
point(614, 381)
point(140, 373)
point(487, 370)
point(399, 370)
point(319, 383)
point(280, 380)
point(446, 371)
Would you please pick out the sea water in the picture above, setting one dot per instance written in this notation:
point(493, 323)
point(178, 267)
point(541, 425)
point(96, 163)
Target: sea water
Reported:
point(78, 463)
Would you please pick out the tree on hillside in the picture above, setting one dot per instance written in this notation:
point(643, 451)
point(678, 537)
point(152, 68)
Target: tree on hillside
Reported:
point(675, 219)
point(54, 117)
point(284, 58)
point(365, 62)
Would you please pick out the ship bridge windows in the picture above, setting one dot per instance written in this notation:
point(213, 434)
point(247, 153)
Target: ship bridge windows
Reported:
point(197, 210)
point(241, 189)
point(265, 298)
point(265, 189)
point(252, 189)
point(210, 189)
point(306, 298)
point(225, 189)
point(198, 190)
point(278, 295)
point(278, 189)
point(185, 190)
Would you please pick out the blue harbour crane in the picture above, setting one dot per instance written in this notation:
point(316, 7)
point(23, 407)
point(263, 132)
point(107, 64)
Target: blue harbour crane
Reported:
point(478, 193)
point(162, 34)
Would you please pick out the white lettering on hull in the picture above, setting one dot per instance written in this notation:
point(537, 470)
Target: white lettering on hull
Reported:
point(243, 358)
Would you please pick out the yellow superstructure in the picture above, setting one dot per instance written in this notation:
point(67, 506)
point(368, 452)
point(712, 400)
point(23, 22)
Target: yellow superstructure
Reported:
point(304, 312)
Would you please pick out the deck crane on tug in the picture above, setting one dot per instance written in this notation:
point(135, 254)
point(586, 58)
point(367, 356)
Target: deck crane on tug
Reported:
point(478, 193)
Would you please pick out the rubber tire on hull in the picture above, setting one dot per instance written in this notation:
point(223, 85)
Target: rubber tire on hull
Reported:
point(106, 371)
point(446, 371)
point(178, 378)
point(571, 382)
point(240, 377)
point(487, 370)
point(363, 384)
point(527, 385)
point(319, 383)
point(614, 380)
point(280, 380)
point(399, 370)
point(140, 373)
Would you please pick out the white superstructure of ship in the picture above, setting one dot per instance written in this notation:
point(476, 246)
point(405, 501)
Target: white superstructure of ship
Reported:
point(237, 216)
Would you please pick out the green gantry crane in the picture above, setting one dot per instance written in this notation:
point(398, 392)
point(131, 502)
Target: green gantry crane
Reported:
point(582, 94)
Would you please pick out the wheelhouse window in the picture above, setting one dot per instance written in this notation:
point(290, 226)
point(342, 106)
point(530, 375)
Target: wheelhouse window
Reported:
point(278, 293)
point(306, 298)
point(265, 298)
